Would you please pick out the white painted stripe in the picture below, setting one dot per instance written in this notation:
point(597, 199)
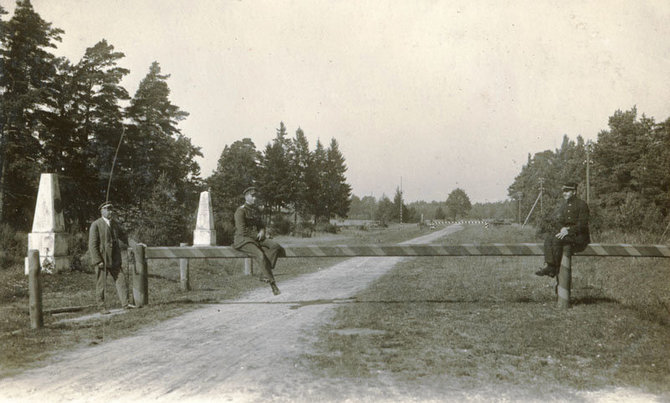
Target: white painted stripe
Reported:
point(563, 293)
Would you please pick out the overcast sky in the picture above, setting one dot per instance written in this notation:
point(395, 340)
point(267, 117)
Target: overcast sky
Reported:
point(442, 94)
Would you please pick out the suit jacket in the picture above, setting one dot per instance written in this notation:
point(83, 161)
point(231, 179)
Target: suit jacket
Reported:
point(103, 243)
point(247, 224)
point(574, 215)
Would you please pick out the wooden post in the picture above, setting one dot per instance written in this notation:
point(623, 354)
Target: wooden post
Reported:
point(183, 270)
point(35, 290)
point(141, 277)
point(564, 279)
point(248, 266)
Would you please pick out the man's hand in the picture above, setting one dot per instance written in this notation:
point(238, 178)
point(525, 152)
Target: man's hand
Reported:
point(261, 235)
point(563, 233)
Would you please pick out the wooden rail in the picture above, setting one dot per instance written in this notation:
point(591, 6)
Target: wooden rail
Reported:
point(521, 249)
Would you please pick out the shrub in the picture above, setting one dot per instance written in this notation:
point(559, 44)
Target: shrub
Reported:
point(281, 225)
point(13, 246)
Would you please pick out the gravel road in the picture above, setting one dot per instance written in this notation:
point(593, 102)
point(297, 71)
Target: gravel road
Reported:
point(246, 349)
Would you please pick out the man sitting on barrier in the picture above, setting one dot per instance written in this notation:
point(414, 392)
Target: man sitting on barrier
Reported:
point(251, 238)
point(569, 225)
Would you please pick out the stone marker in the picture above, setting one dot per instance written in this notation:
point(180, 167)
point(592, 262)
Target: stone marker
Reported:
point(204, 233)
point(48, 234)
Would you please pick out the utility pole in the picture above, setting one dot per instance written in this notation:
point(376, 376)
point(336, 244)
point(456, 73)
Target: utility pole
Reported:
point(519, 195)
point(541, 192)
point(588, 162)
point(401, 200)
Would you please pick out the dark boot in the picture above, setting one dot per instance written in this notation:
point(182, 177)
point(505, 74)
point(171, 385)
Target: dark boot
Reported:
point(275, 290)
point(547, 270)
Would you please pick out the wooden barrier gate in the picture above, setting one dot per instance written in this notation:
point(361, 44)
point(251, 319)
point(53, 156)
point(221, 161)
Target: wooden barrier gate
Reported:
point(141, 253)
point(564, 277)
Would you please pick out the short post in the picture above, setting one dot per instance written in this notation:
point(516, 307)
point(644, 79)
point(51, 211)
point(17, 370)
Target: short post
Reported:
point(183, 270)
point(141, 277)
point(248, 266)
point(35, 289)
point(564, 278)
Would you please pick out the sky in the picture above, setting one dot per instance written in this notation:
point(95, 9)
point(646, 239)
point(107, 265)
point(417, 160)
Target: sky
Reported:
point(433, 95)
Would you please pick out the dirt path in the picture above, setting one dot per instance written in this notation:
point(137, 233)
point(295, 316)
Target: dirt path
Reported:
point(239, 350)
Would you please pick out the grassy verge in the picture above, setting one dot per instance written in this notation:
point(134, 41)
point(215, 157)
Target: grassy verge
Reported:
point(211, 281)
point(435, 326)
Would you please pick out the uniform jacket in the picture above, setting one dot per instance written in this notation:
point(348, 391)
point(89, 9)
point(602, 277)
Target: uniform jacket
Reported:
point(247, 224)
point(103, 243)
point(574, 215)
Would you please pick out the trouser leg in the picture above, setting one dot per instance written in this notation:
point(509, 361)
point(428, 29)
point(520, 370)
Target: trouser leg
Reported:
point(258, 255)
point(272, 251)
point(100, 286)
point(121, 287)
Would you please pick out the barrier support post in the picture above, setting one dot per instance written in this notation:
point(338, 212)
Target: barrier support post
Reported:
point(35, 289)
point(248, 266)
point(564, 279)
point(184, 273)
point(141, 277)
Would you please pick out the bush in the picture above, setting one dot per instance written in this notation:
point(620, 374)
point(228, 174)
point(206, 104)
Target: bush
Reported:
point(225, 231)
point(327, 227)
point(13, 246)
point(281, 225)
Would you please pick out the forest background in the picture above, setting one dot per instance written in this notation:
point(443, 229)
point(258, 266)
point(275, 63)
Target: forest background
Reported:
point(76, 119)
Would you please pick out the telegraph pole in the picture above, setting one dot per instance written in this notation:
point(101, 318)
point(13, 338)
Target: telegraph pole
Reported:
point(588, 162)
point(519, 195)
point(401, 200)
point(541, 192)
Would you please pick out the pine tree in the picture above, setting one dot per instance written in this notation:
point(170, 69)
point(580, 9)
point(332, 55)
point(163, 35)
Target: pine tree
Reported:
point(316, 183)
point(299, 160)
point(26, 69)
point(275, 174)
point(155, 144)
point(337, 190)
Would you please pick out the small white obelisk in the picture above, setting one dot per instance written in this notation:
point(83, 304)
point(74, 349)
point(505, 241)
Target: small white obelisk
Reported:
point(204, 233)
point(48, 235)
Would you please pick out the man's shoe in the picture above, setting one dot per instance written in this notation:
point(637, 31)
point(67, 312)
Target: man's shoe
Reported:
point(130, 306)
point(546, 271)
point(275, 290)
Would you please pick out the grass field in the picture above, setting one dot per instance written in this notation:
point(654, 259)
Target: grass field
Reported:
point(440, 325)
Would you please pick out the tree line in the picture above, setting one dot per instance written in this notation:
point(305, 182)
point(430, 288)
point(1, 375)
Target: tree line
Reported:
point(77, 120)
point(297, 187)
point(628, 180)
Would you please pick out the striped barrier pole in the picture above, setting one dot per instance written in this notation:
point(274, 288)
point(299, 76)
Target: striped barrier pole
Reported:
point(564, 279)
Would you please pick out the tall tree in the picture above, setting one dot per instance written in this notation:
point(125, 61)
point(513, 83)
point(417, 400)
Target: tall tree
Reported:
point(299, 159)
point(337, 190)
point(458, 203)
point(237, 169)
point(316, 179)
point(26, 68)
point(275, 175)
point(155, 144)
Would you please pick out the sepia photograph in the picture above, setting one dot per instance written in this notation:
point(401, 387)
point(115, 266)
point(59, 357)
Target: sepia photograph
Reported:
point(334, 201)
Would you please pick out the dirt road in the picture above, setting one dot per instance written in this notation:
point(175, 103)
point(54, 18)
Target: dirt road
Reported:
point(239, 350)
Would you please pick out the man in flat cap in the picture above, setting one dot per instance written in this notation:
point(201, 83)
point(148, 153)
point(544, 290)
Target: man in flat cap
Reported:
point(104, 249)
point(569, 225)
point(251, 238)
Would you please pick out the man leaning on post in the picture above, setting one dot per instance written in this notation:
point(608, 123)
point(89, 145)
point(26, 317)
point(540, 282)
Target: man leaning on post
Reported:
point(569, 225)
point(104, 249)
point(251, 238)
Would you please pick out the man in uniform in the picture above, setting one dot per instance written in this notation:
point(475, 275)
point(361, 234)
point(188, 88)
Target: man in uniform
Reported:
point(105, 254)
point(251, 238)
point(569, 226)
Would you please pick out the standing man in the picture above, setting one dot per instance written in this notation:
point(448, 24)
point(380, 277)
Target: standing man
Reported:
point(569, 226)
point(251, 238)
point(105, 254)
